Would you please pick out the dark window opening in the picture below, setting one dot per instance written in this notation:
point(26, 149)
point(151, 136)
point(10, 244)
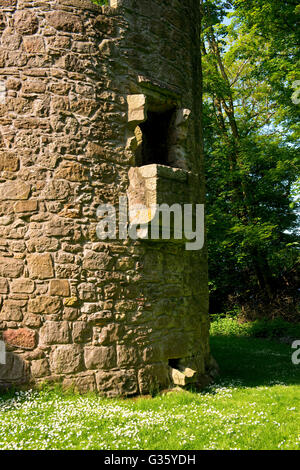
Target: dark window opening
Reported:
point(153, 138)
point(174, 363)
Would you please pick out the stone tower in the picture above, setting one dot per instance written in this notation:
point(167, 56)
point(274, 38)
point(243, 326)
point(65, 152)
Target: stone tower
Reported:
point(97, 103)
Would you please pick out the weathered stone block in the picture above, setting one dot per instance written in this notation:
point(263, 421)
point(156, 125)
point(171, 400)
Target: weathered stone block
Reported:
point(32, 321)
point(34, 86)
point(60, 287)
point(86, 4)
point(53, 332)
point(125, 306)
point(11, 267)
point(95, 150)
point(34, 44)
point(42, 244)
point(70, 314)
point(123, 264)
point(153, 377)
point(40, 368)
point(82, 383)
point(64, 21)
point(100, 318)
point(13, 84)
point(45, 304)
point(117, 383)
point(72, 171)
point(40, 266)
point(8, 162)
point(3, 286)
point(82, 332)
point(100, 357)
point(58, 42)
point(21, 338)
point(60, 88)
point(22, 286)
point(14, 190)
point(10, 40)
point(82, 106)
point(66, 359)
point(56, 190)
point(60, 228)
point(87, 291)
point(107, 334)
point(136, 108)
point(26, 206)
point(8, 3)
point(96, 261)
point(153, 353)
point(25, 22)
point(11, 311)
point(127, 355)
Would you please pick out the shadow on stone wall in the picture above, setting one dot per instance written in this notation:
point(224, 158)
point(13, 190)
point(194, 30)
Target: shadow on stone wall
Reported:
point(14, 373)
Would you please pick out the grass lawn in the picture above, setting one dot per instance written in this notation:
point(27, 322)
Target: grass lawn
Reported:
point(254, 405)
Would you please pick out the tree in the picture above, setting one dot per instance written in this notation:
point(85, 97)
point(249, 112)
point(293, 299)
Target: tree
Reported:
point(251, 156)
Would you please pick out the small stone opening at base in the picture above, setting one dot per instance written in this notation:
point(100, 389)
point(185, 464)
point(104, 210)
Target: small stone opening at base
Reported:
point(174, 363)
point(154, 138)
point(181, 374)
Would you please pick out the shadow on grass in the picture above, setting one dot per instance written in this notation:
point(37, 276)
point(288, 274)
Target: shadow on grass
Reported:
point(254, 362)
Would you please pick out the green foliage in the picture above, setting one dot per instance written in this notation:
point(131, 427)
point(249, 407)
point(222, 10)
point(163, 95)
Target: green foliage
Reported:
point(275, 28)
point(101, 2)
point(252, 160)
point(227, 325)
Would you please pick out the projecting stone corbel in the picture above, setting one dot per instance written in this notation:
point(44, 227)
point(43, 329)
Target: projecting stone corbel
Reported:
point(137, 111)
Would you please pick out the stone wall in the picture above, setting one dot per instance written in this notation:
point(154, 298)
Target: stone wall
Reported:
point(120, 317)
